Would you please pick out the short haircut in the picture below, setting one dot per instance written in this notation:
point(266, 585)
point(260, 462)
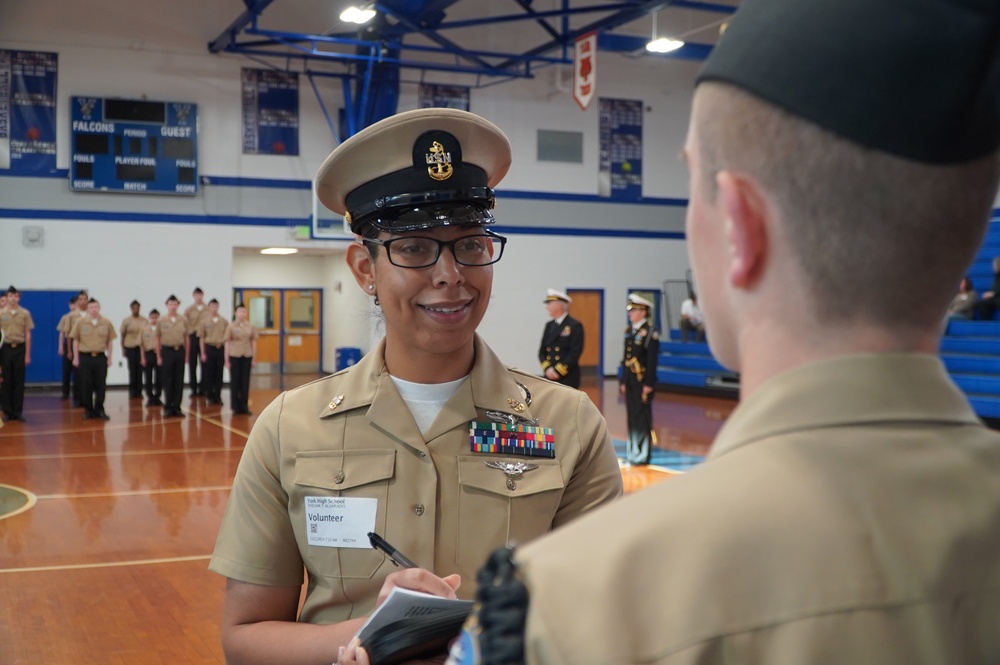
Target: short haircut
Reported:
point(879, 239)
point(197, 289)
point(154, 311)
point(134, 302)
point(240, 305)
point(213, 301)
point(93, 300)
point(72, 300)
point(172, 299)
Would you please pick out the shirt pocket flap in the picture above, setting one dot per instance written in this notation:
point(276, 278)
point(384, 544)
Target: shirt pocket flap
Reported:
point(343, 470)
point(545, 477)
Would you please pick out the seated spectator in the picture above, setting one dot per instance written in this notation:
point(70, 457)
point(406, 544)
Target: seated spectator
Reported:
point(988, 305)
point(692, 320)
point(964, 303)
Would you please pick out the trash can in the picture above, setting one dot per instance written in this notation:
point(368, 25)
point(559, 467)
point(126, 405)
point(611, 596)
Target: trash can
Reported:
point(347, 356)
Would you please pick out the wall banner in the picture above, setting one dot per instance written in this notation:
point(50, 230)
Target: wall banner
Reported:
point(270, 112)
point(620, 174)
point(585, 69)
point(28, 112)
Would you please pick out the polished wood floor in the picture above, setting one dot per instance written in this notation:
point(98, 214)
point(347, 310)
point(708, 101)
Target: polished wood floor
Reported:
point(108, 565)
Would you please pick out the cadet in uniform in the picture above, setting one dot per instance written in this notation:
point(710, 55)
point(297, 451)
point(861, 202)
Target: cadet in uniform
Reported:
point(15, 354)
point(150, 369)
point(212, 338)
point(240, 350)
point(92, 346)
point(843, 156)
point(64, 327)
point(638, 379)
point(172, 341)
point(131, 331)
point(195, 314)
point(562, 341)
point(430, 440)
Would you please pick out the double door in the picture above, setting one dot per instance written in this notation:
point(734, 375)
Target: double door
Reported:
point(289, 324)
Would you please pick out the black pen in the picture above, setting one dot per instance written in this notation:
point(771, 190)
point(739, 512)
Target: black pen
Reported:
point(394, 555)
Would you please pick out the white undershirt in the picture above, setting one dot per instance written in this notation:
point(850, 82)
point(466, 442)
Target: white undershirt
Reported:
point(425, 400)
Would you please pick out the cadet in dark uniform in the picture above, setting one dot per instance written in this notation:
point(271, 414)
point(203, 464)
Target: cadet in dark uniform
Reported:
point(131, 330)
point(195, 314)
point(212, 339)
point(562, 342)
point(638, 379)
point(171, 351)
point(92, 346)
point(150, 369)
point(15, 354)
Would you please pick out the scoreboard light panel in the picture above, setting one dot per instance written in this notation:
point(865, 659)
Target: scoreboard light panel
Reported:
point(134, 146)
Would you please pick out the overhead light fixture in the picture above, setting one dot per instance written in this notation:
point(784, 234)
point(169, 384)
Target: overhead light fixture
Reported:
point(662, 44)
point(357, 15)
point(279, 250)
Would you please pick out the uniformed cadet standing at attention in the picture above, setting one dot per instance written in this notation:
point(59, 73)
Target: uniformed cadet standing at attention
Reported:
point(240, 351)
point(64, 327)
point(562, 341)
point(15, 354)
point(171, 351)
point(150, 369)
point(82, 298)
point(131, 330)
point(92, 356)
point(843, 155)
point(638, 379)
point(430, 440)
point(195, 314)
point(212, 339)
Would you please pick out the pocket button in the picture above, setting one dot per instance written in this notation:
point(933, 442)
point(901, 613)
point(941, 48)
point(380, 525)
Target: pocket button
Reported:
point(419, 509)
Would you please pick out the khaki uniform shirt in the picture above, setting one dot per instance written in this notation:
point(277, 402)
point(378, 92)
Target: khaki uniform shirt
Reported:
point(239, 335)
point(147, 336)
point(93, 338)
point(351, 435)
point(848, 512)
point(195, 314)
point(212, 331)
point(172, 331)
point(131, 330)
point(15, 325)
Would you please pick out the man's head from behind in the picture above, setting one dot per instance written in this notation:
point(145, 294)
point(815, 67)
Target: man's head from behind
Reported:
point(806, 198)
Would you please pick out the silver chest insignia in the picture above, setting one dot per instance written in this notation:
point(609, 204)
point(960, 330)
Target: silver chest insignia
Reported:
point(514, 470)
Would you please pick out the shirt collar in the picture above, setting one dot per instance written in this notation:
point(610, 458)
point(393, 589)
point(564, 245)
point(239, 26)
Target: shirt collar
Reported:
point(866, 388)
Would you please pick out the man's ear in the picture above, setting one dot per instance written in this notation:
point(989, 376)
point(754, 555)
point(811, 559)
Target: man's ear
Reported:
point(746, 214)
point(359, 260)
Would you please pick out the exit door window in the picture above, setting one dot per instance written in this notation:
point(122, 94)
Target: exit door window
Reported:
point(301, 313)
point(261, 313)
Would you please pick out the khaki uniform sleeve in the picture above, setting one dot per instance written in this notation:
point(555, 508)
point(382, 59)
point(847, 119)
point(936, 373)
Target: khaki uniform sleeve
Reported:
point(256, 543)
point(596, 479)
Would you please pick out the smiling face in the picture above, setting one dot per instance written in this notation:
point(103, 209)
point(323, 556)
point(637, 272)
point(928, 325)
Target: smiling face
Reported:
point(430, 313)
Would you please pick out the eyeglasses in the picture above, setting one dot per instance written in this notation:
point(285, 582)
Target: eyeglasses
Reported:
point(420, 251)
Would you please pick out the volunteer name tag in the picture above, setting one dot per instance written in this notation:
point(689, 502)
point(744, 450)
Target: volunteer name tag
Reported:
point(339, 521)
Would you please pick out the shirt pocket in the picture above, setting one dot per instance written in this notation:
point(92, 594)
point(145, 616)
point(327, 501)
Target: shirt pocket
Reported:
point(492, 514)
point(347, 473)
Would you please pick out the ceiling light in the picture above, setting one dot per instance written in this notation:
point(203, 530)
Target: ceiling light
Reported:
point(279, 250)
point(664, 45)
point(357, 15)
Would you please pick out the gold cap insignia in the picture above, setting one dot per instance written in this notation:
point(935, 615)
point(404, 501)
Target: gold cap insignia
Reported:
point(438, 162)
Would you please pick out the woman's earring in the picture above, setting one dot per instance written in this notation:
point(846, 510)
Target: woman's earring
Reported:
point(371, 286)
point(377, 303)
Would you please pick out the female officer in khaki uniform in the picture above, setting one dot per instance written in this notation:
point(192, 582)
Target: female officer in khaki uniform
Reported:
point(241, 347)
point(410, 442)
point(171, 350)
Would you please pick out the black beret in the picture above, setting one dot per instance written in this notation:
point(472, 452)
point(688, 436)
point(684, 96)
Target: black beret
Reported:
point(919, 79)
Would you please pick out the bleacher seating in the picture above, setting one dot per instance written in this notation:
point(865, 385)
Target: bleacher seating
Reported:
point(971, 352)
point(691, 365)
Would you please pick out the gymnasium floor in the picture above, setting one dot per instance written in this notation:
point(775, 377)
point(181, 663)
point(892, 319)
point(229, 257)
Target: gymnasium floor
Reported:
point(106, 561)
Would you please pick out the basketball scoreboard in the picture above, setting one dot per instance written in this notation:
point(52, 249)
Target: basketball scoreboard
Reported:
point(135, 146)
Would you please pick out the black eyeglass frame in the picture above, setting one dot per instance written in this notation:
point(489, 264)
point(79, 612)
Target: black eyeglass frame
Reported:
point(450, 244)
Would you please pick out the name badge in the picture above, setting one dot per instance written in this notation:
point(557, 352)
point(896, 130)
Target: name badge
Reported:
point(339, 521)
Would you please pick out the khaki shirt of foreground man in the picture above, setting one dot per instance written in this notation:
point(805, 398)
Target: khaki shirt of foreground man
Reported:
point(351, 435)
point(902, 535)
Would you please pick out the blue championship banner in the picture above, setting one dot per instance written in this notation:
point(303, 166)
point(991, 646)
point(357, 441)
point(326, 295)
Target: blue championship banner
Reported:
point(621, 149)
point(28, 112)
point(270, 112)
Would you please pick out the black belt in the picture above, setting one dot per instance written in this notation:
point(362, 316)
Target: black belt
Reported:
point(215, 346)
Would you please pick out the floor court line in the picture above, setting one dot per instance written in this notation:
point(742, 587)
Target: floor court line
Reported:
point(109, 564)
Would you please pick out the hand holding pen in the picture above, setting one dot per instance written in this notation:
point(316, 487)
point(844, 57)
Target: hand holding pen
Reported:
point(395, 555)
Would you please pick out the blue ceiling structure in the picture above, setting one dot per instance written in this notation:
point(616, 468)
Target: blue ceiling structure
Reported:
point(418, 35)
